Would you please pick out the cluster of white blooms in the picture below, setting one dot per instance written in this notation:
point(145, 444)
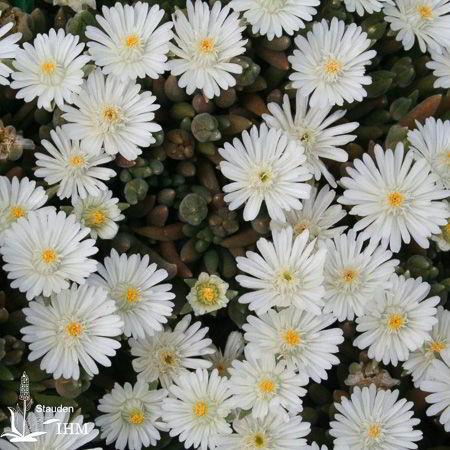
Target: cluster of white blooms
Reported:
point(299, 282)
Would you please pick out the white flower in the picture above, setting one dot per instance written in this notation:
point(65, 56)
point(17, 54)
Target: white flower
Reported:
point(131, 416)
point(443, 238)
point(270, 432)
point(17, 199)
point(374, 420)
point(273, 17)
point(437, 347)
point(398, 321)
point(52, 437)
point(72, 166)
point(263, 384)
point(45, 250)
point(197, 407)
point(50, 69)
point(209, 293)
point(432, 142)
point(440, 65)
point(363, 6)
point(315, 446)
point(112, 114)
point(76, 329)
point(169, 353)
point(133, 283)
point(439, 388)
point(318, 216)
point(428, 21)
point(129, 42)
point(288, 272)
point(265, 166)
point(352, 275)
point(312, 131)
point(330, 63)
point(205, 43)
point(76, 5)
point(100, 213)
point(8, 50)
point(298, 337)
point(396, 198)
point(234, 349)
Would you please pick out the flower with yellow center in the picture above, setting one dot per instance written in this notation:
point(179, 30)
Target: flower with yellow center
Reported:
point(349, 276)
point(136, 417)
point(200, 409)
point(267, 386)
point(332, 69)
point(373, 431)
point(16, 212)
point(395, 199)
point(262, 180)
point(111, 114)
point(206, 45)
point(425, 12)
point(48, 256)
point(48, 67)
point(291, 337)
point(395, 322)
point(77, 161)
point(258, 440)
point(436, 346)
point(132, 41)
point(208, 293)
point(132, 295)
point(96, 218)
point(74, 329)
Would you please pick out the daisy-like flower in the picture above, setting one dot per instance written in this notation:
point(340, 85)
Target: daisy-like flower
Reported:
point(206, 40)
point(131, 416)
point(443, 238)
point(273, 17)
point(265, 166)
point(133, 283)
point(45, 251)
point(51, 69)
point(427, 21)
point(286, 272)
point(197, 407)
point(209, 293)
point(77, 328)
point(375, 420)
point(363, 6)
point(265, 385)
point(72, 166)
point(311, 129)
point(17, 199)
point(439, 388)
point(298, 337)
point(112, 114)
point(330, 63)
point(100, 213)
point(352, 275)
point(170, 353)
point(432, 142)
point(437, 347)
point(318, 216)
point(440, 65)
point(49, 425)
point(396, 197)
point(398, 321)
point(130, 44)
point(8, 50)
point(234, 349)
point(270, 432)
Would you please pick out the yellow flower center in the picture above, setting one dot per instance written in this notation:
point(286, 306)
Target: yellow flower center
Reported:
point(136, 417)
point(48, 67)
point(291, 337)
point(395, 199)
point(111, 114)
point(77, 161)
point(437, 346)
point(48, 256)
point(167, 358)
point(287, 276)
point(425, 12)
point(259, 440)
point(96, 217)
point(349, 275)
point(132, 295)
point(206, 45)
point(446, 232)
point(200, 409)
point(16, 212)
point(332, 67)
point(264, 176)
point(266, 386)
point(207, 294)
point(374, 431)
point(74, 329)
point(396, 321)
point(132, 41)
point(300, 227)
